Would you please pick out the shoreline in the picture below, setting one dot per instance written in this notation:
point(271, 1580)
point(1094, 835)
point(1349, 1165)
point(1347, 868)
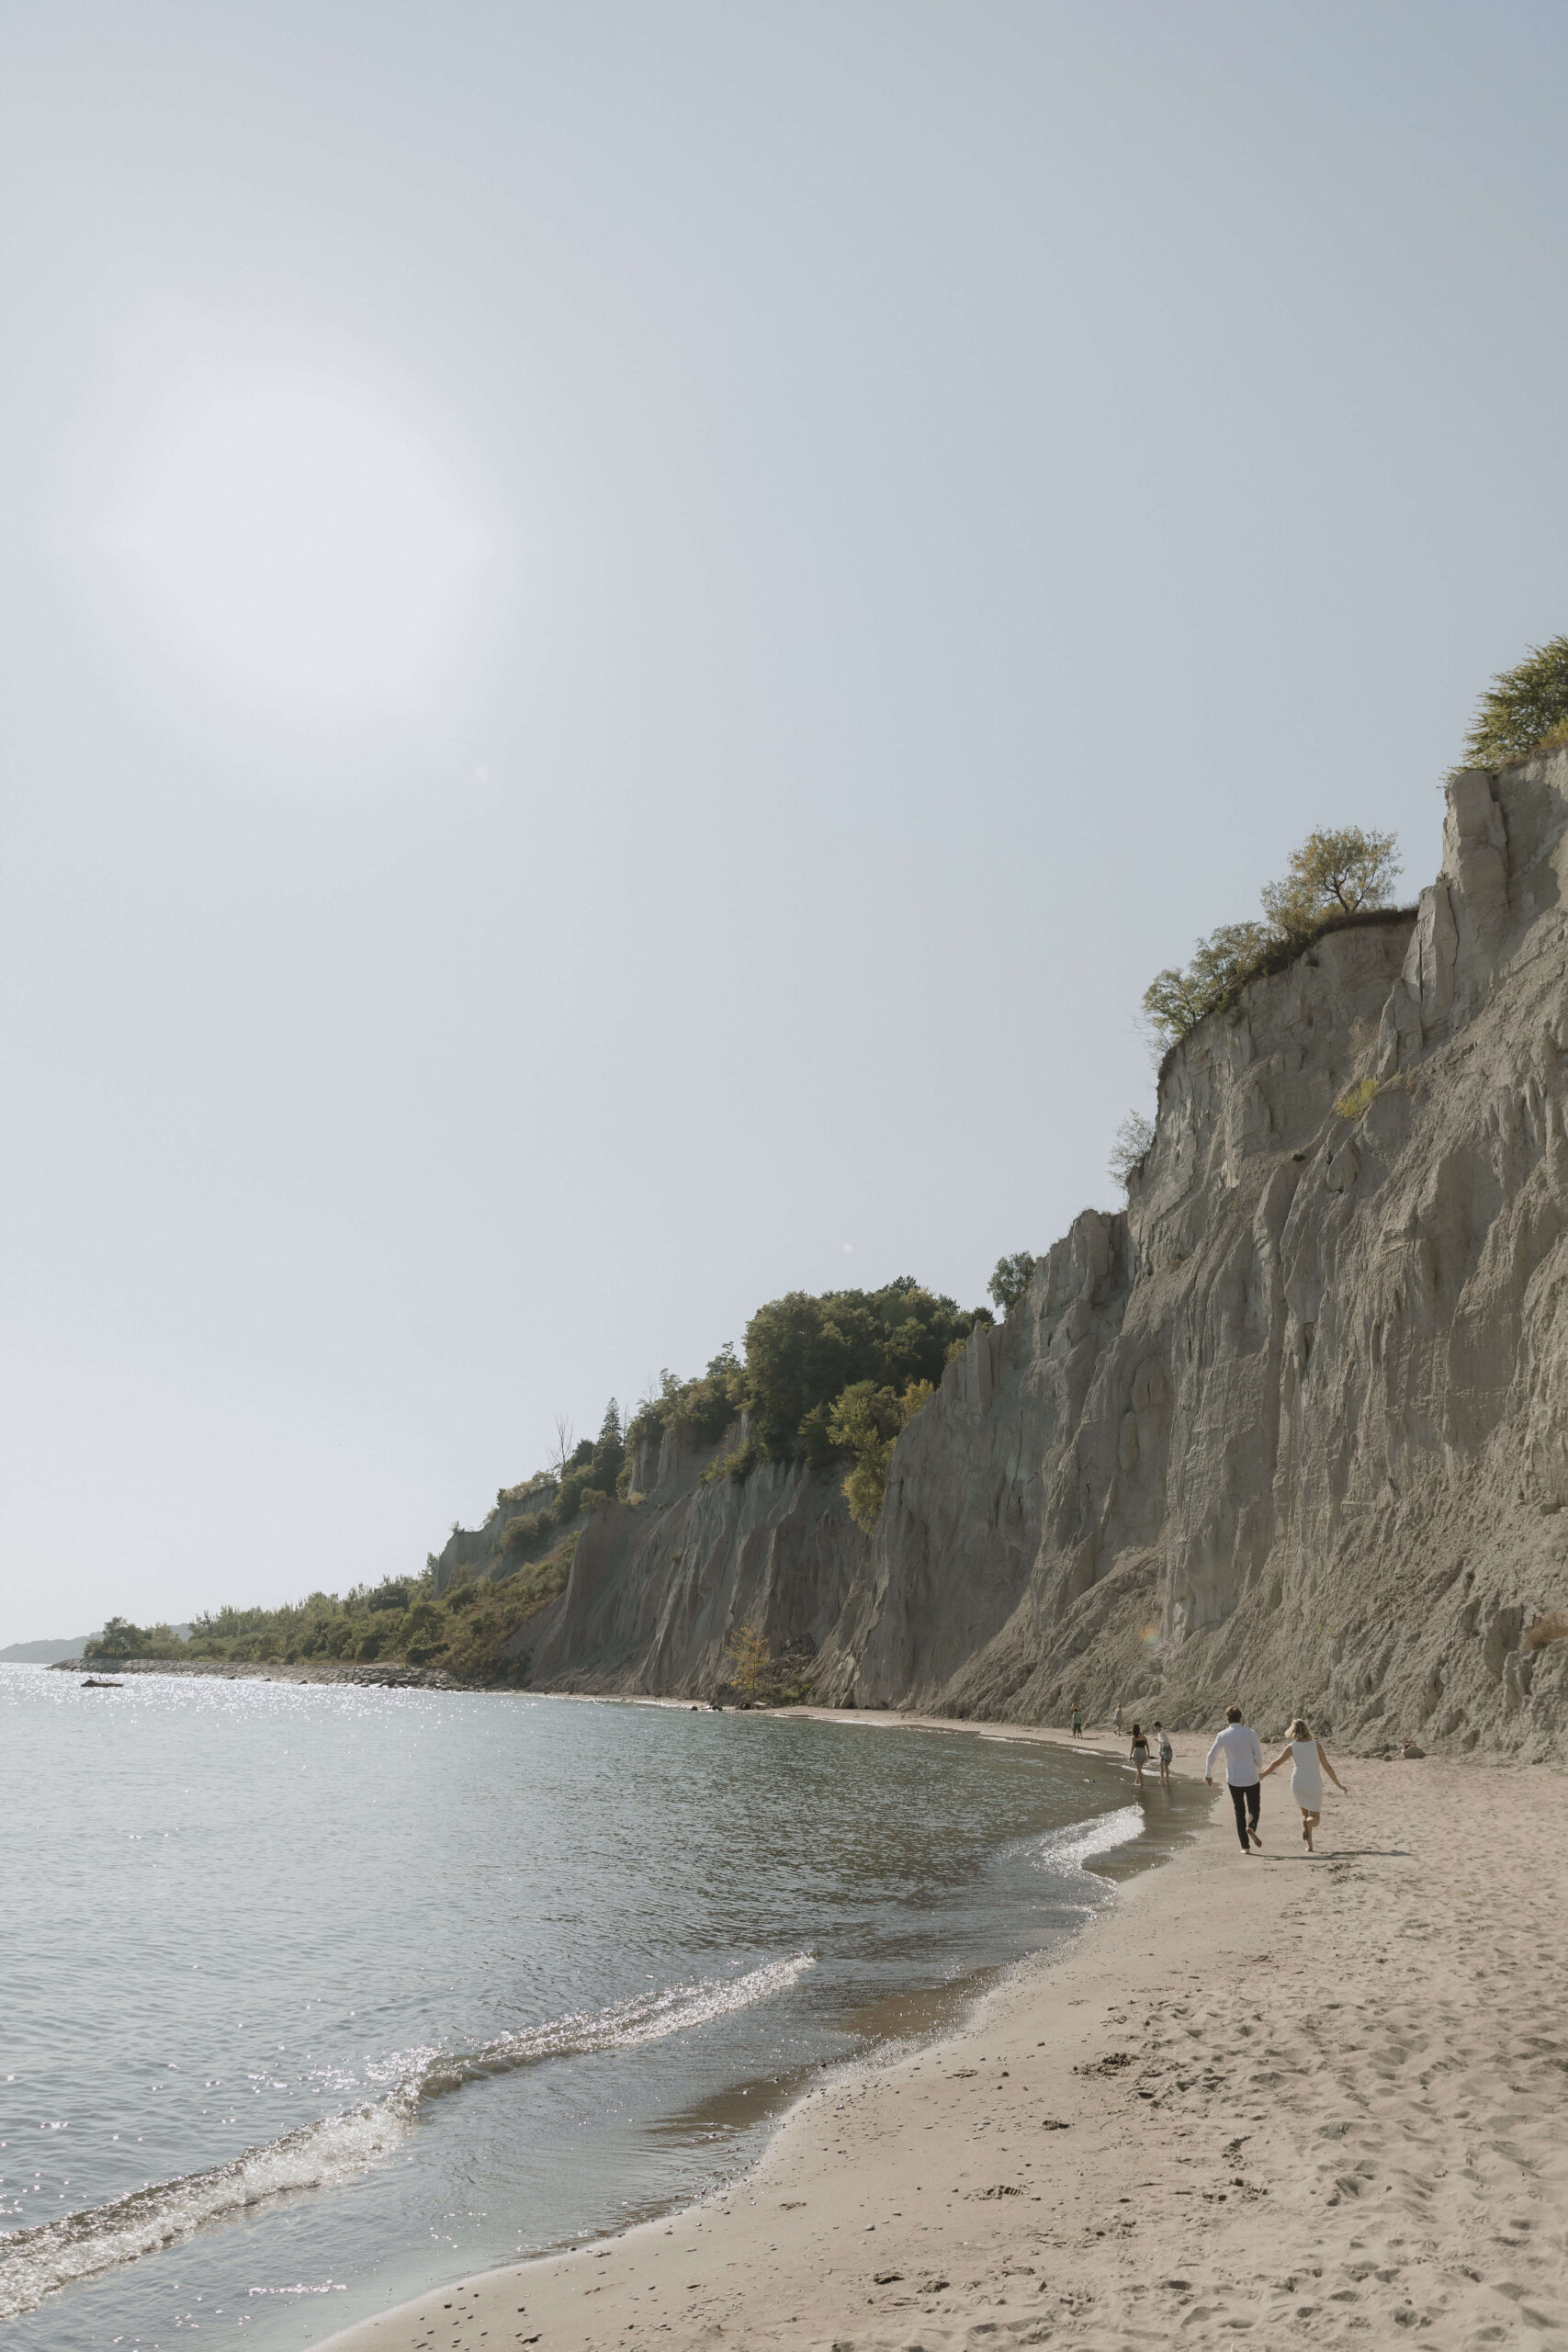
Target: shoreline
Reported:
point(368, 1675)
point(1323, 2096)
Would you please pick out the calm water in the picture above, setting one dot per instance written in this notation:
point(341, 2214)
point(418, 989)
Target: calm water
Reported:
point(313, 1997)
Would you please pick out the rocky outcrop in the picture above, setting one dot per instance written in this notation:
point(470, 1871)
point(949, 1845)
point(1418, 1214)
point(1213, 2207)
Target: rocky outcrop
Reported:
point(1293, 1427)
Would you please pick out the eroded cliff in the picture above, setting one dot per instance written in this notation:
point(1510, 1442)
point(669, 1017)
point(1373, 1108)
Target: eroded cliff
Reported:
point(1292, 1428)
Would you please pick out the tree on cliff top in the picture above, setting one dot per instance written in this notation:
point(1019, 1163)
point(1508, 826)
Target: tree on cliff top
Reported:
point(1338, 871)
point(1174, 1002)
point(1011, 1280)
point(803, 1352)
point(1524, 709)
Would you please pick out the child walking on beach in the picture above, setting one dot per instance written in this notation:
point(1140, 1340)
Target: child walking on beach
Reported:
point(1139, 1752)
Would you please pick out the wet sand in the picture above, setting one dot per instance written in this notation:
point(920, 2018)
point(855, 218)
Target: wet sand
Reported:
point(1316, 2101)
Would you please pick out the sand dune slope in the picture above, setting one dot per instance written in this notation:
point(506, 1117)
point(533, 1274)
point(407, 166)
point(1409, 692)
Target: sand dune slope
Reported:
point(1316, 2102)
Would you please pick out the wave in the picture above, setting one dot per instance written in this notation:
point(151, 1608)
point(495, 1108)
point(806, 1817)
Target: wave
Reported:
point(39, 2262)
point(1072, 1848)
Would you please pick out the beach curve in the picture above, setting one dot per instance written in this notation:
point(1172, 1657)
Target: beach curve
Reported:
point(1319, 2094)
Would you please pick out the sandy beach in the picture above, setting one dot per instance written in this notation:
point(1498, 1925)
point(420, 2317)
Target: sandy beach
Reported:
point(1305, 2101)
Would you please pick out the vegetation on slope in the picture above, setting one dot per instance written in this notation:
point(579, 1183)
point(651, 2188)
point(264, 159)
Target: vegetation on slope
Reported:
point(401, 1620)
point(1340, 874)
point(823, 1380)
point(1523, 711)
point(1336, 876)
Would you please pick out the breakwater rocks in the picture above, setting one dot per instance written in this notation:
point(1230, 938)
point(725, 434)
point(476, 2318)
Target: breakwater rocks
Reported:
point(1291, 1428)
point(370, 1677)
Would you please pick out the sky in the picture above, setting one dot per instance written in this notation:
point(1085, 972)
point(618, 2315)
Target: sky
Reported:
point(628, 632)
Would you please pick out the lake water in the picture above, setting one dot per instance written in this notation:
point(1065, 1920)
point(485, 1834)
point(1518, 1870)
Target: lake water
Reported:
point(314, 1997)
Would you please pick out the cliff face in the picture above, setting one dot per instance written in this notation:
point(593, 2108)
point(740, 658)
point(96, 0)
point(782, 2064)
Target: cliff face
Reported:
point(656, 1591)
point(1292, 1429)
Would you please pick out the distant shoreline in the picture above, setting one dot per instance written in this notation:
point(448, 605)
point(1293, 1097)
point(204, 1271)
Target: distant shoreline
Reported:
point(228, 1669)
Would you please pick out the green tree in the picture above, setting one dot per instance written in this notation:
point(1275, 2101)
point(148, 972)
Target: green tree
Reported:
point(1524, 709)
point(803, 1352)
point(524, 1533)
point(867, 1423)
point(1010, 1281)
point(1176, 1001)
point(120, 1639)
point(1338, 871)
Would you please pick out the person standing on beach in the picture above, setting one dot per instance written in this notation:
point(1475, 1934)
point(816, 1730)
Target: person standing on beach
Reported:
point(1118, 1718)
point(1308, 1763)
point(1077, 1719)
point(1243, 1774)
point(1140, 1754)
point(1166, 1755)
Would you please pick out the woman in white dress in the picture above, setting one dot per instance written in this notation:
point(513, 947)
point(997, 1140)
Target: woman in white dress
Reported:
point(1308, 1764)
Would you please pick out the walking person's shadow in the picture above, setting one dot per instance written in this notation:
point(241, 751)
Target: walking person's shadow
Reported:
point(1342, 1854)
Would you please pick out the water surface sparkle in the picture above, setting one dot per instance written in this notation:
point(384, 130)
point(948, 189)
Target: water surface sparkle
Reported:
point(326, 1992)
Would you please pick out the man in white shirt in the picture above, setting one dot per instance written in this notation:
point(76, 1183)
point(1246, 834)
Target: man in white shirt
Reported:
point(1243, 1773)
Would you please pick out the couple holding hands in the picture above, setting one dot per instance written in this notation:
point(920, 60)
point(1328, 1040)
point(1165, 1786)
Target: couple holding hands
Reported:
point(1246, 1773)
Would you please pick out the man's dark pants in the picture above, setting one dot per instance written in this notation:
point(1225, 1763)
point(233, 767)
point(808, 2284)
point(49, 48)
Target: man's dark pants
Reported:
point(1246, 1802)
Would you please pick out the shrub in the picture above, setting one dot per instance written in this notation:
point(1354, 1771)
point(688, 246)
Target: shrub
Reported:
point(593, 1499)
point(1010, 1281)
point(737, 1466)
point(749, 1655)
point(422, 1628)
point(1133, 1137)
point(1357, 1098)
point(1524, 709)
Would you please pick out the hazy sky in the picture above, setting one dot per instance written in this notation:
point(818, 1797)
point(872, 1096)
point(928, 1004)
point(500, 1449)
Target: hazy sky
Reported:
point(628, 631)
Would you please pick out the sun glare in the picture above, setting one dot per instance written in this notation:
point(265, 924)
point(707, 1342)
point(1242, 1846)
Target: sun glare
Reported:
point(301, 544)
